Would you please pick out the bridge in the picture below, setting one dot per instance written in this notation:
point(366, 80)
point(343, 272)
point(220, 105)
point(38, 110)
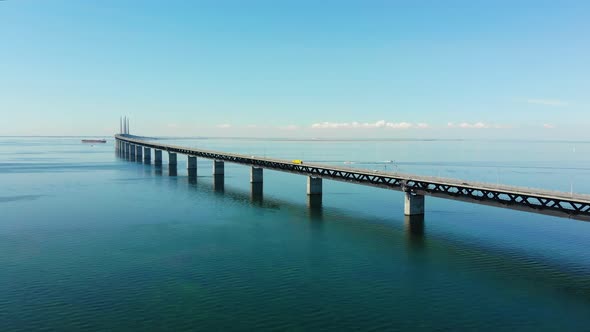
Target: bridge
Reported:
point(415, 187)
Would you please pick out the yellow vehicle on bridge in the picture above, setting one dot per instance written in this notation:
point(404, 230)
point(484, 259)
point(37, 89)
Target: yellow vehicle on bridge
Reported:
point(297, 161)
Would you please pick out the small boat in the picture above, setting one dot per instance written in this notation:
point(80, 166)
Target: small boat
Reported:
point(94, 141)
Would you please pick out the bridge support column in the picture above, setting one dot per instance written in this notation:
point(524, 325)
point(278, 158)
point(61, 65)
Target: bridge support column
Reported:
point(172, 171)
point(414, 204)
point(218, 167)
point(256, 175)
point(314, 186)
point(147, 155)
point(192, 163)
point(157, 157)
point(218, 182)
point(139, 152)
point(192, 176)
point(172, 159)
point(132, 148)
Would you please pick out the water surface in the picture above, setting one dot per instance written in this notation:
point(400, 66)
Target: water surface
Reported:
point(89, 241)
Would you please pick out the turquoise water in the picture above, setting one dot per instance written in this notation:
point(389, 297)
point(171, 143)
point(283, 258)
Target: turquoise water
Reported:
point(89, 241)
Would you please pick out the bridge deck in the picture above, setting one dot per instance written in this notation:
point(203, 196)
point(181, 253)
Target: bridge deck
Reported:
point(569, 205)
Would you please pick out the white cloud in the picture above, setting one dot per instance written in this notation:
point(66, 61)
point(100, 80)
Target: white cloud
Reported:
point(473, 125)
point(378, 124)
point(477, 125)
point(224, 126)
point(401, 125)
point(548, 102)
point(548, 126)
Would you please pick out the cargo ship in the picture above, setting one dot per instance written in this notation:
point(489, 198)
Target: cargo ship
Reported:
point(94, 141)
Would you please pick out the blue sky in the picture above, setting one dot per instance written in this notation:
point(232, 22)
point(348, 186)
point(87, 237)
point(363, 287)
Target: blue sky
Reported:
point(505, 69)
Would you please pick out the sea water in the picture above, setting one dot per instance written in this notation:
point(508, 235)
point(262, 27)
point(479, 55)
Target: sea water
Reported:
point(91, 241)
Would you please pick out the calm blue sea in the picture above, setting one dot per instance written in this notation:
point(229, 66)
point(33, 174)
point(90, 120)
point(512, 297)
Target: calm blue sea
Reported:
point(92, 242)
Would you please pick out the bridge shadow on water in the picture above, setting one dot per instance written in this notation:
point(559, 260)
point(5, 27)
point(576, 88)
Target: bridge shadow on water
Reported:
point(312, 209)
point(387, 234)
point(414, 226)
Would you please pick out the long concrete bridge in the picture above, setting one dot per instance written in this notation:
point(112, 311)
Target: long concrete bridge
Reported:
point(415, 187)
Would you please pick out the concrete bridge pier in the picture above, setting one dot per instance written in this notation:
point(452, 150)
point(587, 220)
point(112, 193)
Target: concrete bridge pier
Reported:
point(192, 163)
point(172, 162)
point(256, 175)
point(218, 167)
point(314, 186)
point(132, 150)
point(157, 157)
point(192, 176)
point(218, 182)
point(147, 155)
point(139, 153)
point(414, 204)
